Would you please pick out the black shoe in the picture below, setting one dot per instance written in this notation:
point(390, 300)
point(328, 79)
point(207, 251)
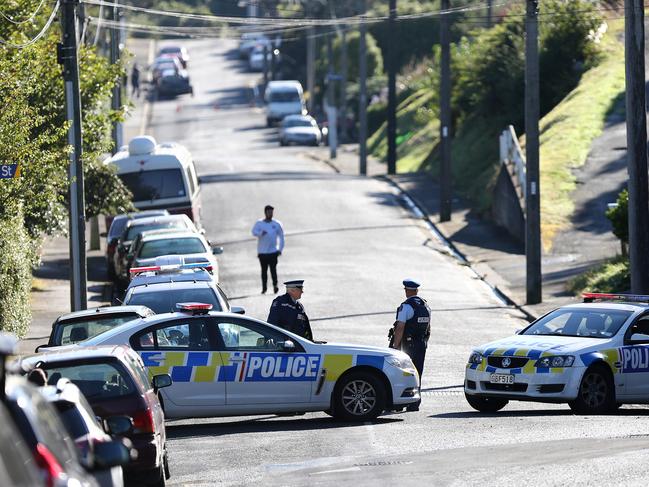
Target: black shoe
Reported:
point(263, 290)
point(275, 288)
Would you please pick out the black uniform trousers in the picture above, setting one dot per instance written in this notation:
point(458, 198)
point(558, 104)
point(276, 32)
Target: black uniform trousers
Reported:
point(266, 261)
point(416, 350)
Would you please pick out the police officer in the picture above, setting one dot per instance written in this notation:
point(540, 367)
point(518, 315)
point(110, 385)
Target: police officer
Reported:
point(412, 328)
point(288, 313)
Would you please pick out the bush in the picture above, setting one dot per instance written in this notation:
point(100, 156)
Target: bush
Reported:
point(18, 255)
point(613, 276)
point(619, 217)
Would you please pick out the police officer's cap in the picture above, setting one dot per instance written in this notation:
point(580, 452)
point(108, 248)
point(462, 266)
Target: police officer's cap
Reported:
point(299, 283)
point(268, 207)
point(410, 284)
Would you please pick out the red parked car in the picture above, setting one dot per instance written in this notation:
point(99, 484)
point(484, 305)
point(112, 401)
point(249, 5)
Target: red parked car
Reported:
point(114, 382)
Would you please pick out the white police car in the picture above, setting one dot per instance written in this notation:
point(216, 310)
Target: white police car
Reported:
point(226, 364)
point(593, 356)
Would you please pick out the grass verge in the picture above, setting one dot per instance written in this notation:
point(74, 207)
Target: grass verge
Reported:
point(611, 276)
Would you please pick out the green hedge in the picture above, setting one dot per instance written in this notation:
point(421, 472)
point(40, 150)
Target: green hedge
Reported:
point(18, 254)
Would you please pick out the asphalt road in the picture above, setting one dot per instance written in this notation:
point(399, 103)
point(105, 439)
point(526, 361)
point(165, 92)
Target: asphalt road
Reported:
point(353, 240)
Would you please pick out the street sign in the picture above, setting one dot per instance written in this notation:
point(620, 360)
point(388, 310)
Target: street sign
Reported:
point(9, 171)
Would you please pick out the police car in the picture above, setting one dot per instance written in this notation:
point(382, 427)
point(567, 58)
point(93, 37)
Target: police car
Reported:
point(226, 364)
point(593, 356)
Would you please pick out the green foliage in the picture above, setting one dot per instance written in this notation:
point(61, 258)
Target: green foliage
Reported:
point(612, 276)
point(619, 217)
point(18, 256)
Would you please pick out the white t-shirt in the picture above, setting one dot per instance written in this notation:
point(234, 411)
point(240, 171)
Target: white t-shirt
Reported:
point(272, 240)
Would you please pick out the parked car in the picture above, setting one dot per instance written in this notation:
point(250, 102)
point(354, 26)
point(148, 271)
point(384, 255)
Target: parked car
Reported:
point(249, 41)
point(283, 98)
point(80, 325)
point(160, 64)
point(133, 231)
point(115, 227)
point(114, 382)
point(256, 57)
point(45, 435)
point(171, 83)
point(99, 453)
point(178, 52)
point(299, 129)
point(162, 290)
point(160, 176)
point(192, 246)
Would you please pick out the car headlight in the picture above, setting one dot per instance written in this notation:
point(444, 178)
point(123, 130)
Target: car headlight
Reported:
point(399, 362)
point(555, 361)
point(475, 358)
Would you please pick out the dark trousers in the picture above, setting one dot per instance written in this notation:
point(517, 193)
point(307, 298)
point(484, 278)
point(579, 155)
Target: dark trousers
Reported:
point(416, 349)
point(266, 261)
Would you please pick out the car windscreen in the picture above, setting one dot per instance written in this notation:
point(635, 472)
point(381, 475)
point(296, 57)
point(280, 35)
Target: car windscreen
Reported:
point(99, 380)
point(135, 229)
point(298, 123)
point(155, 184)
point(165, 300)
point(170, 50)
point(284, 96)
point(169, 246)
point(77, 331)
point(579, 322)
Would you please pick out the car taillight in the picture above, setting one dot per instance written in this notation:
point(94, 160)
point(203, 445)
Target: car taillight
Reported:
point(47, 462)
point(143, 421)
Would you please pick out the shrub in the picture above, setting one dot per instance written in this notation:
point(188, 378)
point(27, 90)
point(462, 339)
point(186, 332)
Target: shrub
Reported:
point(619, 217)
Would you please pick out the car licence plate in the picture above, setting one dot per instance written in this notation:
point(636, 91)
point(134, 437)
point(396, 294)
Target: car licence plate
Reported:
point(501, 378)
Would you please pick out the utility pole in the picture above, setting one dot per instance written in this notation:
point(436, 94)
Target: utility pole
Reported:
point(310, 60)
point(68, 57)
point(636, 141)
point(343, 86)
point(392, 88)
point(116, 99)
point(265, 66)
point(532, 203)
point(489, 13)
point(446, 178)
point(362, 97)
point(332, 114)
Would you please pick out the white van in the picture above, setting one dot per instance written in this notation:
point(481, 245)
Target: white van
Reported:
point(283, 98)
point(160, 176)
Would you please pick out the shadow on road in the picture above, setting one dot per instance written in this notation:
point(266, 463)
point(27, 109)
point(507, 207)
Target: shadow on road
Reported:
point(266, 176)
point(266, 424)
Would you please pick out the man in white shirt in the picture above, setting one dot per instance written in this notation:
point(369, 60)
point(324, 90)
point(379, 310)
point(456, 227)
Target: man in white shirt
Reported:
point(270, 243)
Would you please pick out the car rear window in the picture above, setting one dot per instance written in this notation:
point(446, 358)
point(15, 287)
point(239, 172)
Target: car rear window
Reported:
point(82, 330)
point(117, 227)
point(156, 184)
point(164, 301)
point(134, 230)
point(98, 380)
point(171, 246)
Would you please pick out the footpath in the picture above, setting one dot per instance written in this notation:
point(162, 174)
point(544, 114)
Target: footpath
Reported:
point(50, 296)
point(495, 256)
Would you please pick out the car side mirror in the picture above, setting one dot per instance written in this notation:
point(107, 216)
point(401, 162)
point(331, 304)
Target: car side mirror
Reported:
point(109, 454)
point(38, 349)
point(286, 346)
point(118, 425)
point(217, 250)
point(160, 381)
point(238, 310)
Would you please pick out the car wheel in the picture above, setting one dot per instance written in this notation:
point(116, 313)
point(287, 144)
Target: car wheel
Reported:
point(486, 404)
point(596, 394)
point(359, 396)
point(111, 272)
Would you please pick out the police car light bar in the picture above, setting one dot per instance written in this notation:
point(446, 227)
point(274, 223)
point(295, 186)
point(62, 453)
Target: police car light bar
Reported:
point(196, 308)
point(631, 298)
point(198, 265)
point(138, 270)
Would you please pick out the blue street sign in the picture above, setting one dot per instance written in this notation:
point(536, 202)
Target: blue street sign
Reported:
point(8, 171)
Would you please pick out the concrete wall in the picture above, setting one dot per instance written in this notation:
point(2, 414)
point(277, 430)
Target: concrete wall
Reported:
point(506, 209)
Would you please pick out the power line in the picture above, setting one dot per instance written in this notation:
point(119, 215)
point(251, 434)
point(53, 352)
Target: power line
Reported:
point(38, 36)
point(20, 22)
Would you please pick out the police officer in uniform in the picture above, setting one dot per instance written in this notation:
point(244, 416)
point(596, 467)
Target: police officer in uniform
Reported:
point(412, 328)
point(288, 313)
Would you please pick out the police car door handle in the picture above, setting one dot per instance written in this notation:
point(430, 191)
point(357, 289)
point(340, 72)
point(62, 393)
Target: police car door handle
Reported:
point(617, 365)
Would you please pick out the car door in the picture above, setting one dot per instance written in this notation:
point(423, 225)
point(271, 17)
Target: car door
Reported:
point(257, 370)
point(634, 358)
point(185, 349)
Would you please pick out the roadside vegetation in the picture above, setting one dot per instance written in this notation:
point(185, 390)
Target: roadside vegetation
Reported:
point(33, 134)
